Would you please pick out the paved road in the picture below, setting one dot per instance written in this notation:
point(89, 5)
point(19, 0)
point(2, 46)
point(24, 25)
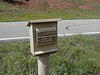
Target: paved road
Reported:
point(13, 29)
point(19, 29)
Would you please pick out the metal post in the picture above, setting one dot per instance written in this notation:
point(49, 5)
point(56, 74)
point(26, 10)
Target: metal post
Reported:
point(43, 64)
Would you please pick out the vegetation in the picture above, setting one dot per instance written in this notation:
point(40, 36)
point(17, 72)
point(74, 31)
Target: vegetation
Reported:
point(10, 12)
point(76, 56)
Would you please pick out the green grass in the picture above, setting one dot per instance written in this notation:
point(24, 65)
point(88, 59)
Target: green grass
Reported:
point(76, 56)
point(10, 12)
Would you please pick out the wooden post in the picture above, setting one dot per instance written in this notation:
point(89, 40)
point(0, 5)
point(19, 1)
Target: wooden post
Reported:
point(43, 41)
point(43, 64)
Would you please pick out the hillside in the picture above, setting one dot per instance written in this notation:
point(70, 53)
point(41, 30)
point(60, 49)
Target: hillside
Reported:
point(21, 10)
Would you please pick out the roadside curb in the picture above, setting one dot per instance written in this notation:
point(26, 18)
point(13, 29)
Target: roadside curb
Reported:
point(26, 39)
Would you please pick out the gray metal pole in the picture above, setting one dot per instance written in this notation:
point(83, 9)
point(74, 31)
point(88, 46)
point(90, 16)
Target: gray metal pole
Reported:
point(43, 64)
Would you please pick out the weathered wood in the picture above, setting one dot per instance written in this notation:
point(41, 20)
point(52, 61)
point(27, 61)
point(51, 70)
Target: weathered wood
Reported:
point(43, 41)
point(43, 64)
point(42, 21)
point(43, 36)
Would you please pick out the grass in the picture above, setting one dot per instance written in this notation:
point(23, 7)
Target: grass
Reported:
point(76, 56)
point(10, 12)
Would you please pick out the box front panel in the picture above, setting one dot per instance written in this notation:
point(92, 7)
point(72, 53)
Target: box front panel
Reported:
point(46, 37)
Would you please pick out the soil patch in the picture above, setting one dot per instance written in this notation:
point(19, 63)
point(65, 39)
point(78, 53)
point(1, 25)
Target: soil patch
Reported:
point(86, 7)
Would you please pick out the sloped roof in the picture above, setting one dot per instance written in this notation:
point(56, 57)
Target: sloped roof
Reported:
point(42, 21)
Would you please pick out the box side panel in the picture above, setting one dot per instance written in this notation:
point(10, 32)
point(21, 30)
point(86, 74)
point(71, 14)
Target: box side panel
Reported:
point(31, 33)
